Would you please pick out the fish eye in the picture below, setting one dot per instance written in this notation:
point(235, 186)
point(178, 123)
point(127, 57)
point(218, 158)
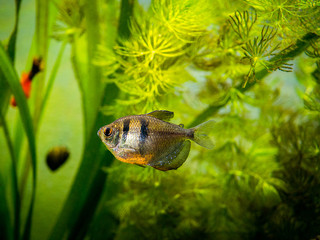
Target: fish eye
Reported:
point(108, 132)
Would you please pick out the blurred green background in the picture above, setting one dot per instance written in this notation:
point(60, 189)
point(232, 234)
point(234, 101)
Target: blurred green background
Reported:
point(252, 66)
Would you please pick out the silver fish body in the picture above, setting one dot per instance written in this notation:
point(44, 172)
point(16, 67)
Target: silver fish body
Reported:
point(149, 139)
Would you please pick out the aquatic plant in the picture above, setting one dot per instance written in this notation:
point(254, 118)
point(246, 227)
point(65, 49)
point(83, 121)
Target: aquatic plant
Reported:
point(200, 59)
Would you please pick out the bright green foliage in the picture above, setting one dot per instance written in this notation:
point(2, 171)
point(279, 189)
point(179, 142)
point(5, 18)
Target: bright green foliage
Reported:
point(70, 19)
point(182, 17)
point(153, 60)
point(242, 24)
point(202, 60)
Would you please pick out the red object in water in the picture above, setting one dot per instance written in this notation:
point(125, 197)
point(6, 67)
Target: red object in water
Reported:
point(26, 80)
point(26, 87)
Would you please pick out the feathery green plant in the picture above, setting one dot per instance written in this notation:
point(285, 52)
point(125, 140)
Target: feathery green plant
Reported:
point(152, 61)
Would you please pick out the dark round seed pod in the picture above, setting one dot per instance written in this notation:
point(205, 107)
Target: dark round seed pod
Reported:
point(56, 157)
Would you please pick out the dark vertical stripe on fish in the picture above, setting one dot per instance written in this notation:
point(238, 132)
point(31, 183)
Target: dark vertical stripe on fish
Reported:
point(116, 138)
point(143, 134)
point(125, 130)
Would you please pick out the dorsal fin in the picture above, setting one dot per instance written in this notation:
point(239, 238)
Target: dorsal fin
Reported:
point(161, 114)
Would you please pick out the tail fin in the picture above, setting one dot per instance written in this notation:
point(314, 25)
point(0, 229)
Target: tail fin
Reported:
point(200, 134)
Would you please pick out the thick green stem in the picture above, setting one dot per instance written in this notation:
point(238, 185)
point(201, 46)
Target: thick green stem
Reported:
point(124, 20)
point(6, 228)
point(4, 87)
point(42, 44)
point(16, 197)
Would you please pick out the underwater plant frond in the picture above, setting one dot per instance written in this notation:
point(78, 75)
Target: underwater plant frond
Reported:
point(299, 155)
point(311, 23)
point(149, 64)
point(294, 140)
point(145, 83)
point(107, 60)
point(259, 46)
point(166, 204)
point(259, 51)
point(260, 5)
point(242, 23)
point(284, 67)
point(286, 16)
point(70, 19)
point(246, 177)
point(149, 40)
point(315, 52)
point(149, 81)
point(261, 190)
point(182, 17)
point(278, 9)
point(312, 100)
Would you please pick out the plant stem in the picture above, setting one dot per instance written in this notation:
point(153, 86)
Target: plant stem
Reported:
point(16, 197)
point(42, 42)
point(52, 77)
point(13, 37)
point(12, 79)
point(126, 13)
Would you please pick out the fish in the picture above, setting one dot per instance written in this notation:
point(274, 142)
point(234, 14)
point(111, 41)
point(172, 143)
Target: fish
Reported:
point(150, 140)
point(26, 79)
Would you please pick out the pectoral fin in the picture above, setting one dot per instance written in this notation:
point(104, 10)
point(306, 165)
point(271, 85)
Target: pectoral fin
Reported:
point(173, 159)
point(161, 114)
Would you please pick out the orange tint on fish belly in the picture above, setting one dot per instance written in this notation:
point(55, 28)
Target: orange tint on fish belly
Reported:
point(135, 158)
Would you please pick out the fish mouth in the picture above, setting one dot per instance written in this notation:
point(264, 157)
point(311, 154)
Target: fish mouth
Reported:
point(98, 133)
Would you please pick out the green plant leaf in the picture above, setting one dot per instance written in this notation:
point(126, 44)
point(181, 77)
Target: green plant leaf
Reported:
point(6, 228)
point(13, 37)
point(126, 12)
point(52, 76)
point(42, 45)
point(15, 197)
point(4, 95)
point(12, 79)
point(4, 88)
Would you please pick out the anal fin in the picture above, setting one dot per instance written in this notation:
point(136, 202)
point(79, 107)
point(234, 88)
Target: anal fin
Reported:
point(173, 159)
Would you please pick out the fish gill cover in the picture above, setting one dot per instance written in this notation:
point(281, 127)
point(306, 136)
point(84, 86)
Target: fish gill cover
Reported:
point(253, 66)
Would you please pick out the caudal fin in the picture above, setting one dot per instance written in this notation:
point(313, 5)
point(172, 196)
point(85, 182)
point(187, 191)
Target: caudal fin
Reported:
point(201, 134)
